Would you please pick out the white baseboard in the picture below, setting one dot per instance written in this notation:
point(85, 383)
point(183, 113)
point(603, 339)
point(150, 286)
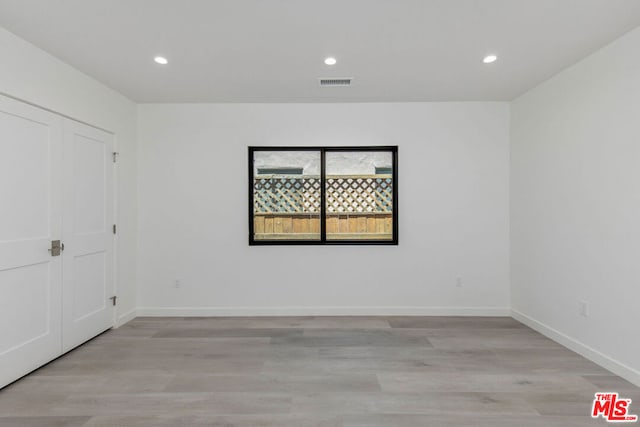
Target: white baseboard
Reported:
point(126, 317)
point(323, 311)
point(620, 369)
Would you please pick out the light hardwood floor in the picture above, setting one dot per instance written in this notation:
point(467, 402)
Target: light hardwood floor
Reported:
point(314, 371)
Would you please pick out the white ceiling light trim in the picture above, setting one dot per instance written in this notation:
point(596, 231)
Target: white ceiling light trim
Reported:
point(330, 61)
point(489, 59)
point(161, 60)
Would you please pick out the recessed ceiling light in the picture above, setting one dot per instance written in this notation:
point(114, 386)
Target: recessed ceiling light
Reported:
point(489, 59)
point(330, 61)
point(161, 60)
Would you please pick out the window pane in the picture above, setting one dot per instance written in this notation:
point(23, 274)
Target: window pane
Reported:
point(286, 195)
point(359, 198)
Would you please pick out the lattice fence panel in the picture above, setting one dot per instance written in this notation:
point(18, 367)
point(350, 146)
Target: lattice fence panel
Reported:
point(287, 194)
point(344, 194)
point(384, 194)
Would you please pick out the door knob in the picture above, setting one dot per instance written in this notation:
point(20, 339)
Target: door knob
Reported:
point(56, 247)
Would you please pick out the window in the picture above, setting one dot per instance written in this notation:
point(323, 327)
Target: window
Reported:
point(323, 195)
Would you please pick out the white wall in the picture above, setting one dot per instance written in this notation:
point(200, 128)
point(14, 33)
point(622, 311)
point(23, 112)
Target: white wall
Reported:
point(32, 75)
point(453, 196)
point(575, 206)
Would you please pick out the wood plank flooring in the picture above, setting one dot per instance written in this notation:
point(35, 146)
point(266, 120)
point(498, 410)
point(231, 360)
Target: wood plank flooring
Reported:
point(314, 371)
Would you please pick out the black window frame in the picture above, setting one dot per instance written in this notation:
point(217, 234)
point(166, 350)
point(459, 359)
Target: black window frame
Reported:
point(323, 217)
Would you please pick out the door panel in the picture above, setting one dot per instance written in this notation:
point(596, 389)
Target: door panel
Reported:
point(30, 218)
point(25, 159)
point(89, 288)
point(28, 286)
point(88, 217)
point(90, 157)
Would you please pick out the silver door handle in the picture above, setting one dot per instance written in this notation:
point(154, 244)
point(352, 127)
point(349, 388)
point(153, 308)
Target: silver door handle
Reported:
point(56, 248)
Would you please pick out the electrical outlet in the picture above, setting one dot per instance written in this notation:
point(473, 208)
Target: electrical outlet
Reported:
point(177, 284)
point(583, 308)
point(459, 282)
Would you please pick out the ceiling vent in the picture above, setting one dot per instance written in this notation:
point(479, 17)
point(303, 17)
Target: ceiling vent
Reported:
point(335, 81)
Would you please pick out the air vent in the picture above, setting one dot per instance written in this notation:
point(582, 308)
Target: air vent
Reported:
point(336, 81)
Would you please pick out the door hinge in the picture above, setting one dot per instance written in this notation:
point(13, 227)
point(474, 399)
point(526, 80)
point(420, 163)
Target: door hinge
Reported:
point(114, 229)
point(115, 156)
point(114, 299)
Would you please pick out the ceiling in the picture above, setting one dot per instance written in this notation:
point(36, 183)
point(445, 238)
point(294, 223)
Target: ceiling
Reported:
point(273, 50)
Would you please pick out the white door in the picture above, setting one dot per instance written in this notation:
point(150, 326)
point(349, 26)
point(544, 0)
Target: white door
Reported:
point(30, 218)
point(88, 281)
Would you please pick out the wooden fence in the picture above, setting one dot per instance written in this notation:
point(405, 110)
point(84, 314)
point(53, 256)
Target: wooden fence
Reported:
point(358, 207)
point(368, 225)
